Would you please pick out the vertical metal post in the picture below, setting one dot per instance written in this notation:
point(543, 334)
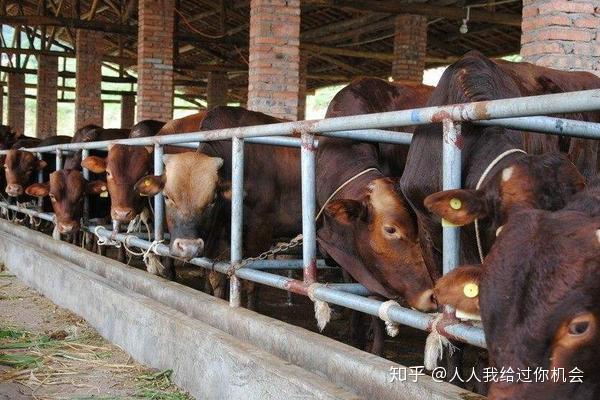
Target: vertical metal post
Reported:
point(452, 173)
point(58, 160)
point(86, 200)
point(309, 232)
point(159, 211)
point(237, 210)
point(40, 179)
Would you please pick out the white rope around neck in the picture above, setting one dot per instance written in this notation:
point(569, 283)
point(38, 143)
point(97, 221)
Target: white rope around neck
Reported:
point(341, 187)
point(486, 172)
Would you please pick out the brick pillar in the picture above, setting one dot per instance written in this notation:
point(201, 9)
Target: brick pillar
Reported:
point(155, 59)
point(16, 102)
point(47, 100)
point(273, 78)
point(88, 70)
point(410, 48)
point(561, 34)
point(216, 91)
point(127, 111)
point(302, 86)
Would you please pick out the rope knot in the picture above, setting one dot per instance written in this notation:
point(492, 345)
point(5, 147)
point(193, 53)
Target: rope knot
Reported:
point(436, 342)
point(391, 327)
point(322, 309)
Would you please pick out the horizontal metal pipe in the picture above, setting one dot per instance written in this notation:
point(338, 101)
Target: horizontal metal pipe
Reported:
point(33, 213)
point(355, 288)
point(585, 100)
point(557, 126)
point(284, 264)
point(467, 333)
point(284, 141)
point(373, 135)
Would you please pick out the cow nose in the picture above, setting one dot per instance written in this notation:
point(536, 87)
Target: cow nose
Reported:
point(187, 248)
point(425, 301)
point(67, 227)
point(122, 214)
point(14, 190)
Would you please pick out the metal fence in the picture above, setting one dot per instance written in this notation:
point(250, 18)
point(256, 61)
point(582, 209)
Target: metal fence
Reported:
point(520, 113)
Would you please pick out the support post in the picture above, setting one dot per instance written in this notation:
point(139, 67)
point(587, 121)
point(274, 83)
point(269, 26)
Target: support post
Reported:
point(237, 210)
point(40, 179)
point(158, 199)
point(452, 173)
point(86, 199)
point(55, 232)
point(309, 231)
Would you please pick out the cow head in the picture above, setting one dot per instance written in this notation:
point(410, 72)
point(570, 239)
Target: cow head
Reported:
point(546, 181)
point(376, 237)
point(124, 166)
point(190, 185)
point(67, 189)
point(7, 137)
point(19, 167)
point(540, 301)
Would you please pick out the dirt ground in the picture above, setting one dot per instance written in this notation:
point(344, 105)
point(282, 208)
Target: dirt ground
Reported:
point(49, 353)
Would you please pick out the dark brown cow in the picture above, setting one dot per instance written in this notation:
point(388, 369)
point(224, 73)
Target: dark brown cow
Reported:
point(66, 190)
point(146, 128)
point(368, 227)
point(21, 166)
point(196, 189)
point(540, 298)
point(514, 179)
point(92, 133)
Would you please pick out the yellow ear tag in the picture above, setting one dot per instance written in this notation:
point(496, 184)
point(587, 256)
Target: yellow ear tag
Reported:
point(471, 290)
point(147, 182)
point(104, 194)
point(455, 203)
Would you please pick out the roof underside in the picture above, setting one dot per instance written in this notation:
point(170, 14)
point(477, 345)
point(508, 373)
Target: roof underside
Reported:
point(218, 32)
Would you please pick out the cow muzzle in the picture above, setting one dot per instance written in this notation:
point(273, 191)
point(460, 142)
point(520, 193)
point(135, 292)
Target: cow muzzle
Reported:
point(14, 190)
point(424, 301)
point(187, 248)
point(122, 214)
point(68, 227)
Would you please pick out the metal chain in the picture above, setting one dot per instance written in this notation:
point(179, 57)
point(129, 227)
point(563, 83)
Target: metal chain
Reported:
point(263, 256)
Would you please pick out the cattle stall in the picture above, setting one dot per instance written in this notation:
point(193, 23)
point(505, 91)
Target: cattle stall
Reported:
point(526, 113)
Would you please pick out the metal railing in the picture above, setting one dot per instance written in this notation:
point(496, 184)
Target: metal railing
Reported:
point(521, 113)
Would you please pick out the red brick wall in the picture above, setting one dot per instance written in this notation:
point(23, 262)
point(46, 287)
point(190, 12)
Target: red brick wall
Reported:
point(16, 102)
point(273, 78)
point(410, 48)
point(47, 100)
point(562, 34)
point(155, 59)
point(88, 101)
point(127, 111)
point(216, 91)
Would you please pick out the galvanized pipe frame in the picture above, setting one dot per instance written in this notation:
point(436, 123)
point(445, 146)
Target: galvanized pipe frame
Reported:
point(484, 111)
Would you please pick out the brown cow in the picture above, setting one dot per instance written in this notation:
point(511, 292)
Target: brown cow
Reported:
point(368, 227)
point(66, 190)
point(146, 128)
point(92, 133)
point(513, 179)
point(195, 182)
point(20, 165)
point(539, 298)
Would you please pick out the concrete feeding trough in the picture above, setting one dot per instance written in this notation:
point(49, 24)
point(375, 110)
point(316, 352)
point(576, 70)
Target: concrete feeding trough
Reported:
point(215, 351)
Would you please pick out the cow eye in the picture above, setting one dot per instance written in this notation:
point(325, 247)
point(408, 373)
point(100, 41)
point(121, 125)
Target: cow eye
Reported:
point(578, 328)
point(390, 230)
point(108, 174)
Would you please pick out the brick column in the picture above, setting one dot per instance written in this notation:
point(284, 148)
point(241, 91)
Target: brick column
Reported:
point(127, 111)
point(88, 90)
point(302, 86)
point(410, 48)
point(155, 59)
point(47, 100)
point(273, 79)
point(562, 34)
point(16, 102)
point(216, 91)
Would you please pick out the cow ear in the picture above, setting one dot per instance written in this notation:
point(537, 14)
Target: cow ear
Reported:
point(459, 207)
point(40, 165)
point(96, 187)
point(150, 185)
point(460, 289)
point(218, 162)
point(38, 190)
point(95, 164)
point(345, 211)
